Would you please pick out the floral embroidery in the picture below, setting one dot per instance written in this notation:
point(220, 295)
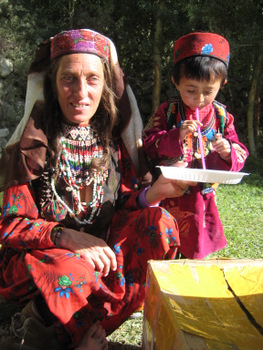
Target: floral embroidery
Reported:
point(79, 284)
point(64, 289)
point(129, 279)
point(117, 248)
point(170, 238)
point(207, 49)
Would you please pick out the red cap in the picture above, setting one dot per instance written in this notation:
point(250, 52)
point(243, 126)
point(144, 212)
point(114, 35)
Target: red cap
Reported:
point(202, 44)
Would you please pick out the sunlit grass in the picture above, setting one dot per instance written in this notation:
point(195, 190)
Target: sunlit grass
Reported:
point(241, 212)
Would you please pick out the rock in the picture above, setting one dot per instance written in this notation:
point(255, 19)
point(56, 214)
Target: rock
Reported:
point(6, 67)
point(4, 132)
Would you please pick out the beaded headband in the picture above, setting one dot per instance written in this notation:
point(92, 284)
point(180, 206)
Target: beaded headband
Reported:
point(202, 44)
point(80, 41)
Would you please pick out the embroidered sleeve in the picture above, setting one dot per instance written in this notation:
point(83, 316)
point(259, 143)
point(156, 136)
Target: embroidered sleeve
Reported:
point(239, 152)
point(158, 141)
point(20, 225)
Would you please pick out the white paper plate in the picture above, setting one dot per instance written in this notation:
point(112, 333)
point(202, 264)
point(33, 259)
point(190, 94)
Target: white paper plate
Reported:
point(201, 175)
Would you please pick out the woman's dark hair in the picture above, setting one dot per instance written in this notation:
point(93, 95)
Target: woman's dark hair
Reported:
point(200, 68)
point(103, 121)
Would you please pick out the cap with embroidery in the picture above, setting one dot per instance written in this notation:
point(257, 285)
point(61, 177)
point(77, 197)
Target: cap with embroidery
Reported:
point(202, 44)
point(80, 41)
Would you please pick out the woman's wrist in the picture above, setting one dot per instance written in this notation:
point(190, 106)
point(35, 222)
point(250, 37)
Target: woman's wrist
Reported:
point(56, 235)
point(152, 196)
point(144, 202)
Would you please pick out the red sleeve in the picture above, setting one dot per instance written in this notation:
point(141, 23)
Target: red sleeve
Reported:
point(160, 142)
point(239, 152)
point(129, 189)
point(20, 225)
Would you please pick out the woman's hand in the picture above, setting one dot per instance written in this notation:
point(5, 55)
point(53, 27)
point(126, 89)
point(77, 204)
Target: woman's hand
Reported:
point(93, 249)
point(166, 188)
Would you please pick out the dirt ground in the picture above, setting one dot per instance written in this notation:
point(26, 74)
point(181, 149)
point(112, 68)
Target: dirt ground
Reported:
point(7, 310)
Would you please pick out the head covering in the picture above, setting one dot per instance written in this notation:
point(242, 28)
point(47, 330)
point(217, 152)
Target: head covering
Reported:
point(27, 147)
point(202, 44)
point(80, 40)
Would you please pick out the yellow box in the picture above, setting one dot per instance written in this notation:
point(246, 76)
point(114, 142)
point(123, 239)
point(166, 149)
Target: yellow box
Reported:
point(204, 305)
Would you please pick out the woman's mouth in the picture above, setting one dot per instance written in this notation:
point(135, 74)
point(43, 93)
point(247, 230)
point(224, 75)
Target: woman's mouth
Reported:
point(79, 105)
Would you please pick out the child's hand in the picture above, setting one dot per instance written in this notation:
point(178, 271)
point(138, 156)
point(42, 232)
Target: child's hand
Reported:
point(188, 127)
point(222, 147)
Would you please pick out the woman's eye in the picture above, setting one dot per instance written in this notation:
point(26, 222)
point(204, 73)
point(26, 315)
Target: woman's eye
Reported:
point(93, 79)
point(68, 78)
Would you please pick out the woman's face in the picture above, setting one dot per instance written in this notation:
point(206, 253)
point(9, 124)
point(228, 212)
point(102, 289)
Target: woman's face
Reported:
point(79, 82)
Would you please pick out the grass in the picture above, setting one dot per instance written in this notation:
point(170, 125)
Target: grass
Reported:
point(128, 336)
point(241, 212)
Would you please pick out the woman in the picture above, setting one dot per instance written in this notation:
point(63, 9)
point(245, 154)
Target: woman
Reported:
point(76, 231)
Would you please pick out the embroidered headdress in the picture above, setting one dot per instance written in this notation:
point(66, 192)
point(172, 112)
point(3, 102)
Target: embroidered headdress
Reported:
point(80, 40)
point(202, 44)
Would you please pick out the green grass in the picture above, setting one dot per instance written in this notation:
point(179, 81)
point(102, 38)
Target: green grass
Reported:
point(241, 212)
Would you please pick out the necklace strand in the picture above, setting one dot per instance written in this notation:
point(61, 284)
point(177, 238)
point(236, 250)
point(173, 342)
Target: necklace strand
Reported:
point(79, 146)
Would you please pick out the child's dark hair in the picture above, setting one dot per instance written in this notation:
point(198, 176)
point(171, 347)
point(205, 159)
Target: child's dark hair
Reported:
point(200, 68)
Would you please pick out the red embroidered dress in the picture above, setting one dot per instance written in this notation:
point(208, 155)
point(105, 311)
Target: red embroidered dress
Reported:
point(73, 291)
point(200, 228)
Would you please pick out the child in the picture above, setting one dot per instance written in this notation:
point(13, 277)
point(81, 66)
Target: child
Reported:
point(200, 70)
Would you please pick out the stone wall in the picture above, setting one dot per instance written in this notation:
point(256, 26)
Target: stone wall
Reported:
point(11, 104)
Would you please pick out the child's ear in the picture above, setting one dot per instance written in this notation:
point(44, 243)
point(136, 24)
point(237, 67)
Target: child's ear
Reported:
point(172, 78)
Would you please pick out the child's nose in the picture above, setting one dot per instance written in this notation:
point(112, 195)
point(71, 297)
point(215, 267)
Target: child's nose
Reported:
point(200, 97)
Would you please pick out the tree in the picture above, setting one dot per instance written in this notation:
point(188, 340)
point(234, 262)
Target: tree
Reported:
point(253, 96)
point(144, 33)
point(157, 47)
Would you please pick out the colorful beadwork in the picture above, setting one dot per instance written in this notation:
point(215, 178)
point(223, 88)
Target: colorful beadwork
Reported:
point(80, 145)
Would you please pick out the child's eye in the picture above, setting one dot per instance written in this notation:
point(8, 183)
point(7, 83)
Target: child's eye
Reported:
point(191, 91)
point(208, 92)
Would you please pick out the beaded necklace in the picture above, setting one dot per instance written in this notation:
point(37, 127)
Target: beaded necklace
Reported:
point(80, 145)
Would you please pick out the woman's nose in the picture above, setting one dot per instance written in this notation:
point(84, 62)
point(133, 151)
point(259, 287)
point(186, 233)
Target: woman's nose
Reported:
point(81, 88)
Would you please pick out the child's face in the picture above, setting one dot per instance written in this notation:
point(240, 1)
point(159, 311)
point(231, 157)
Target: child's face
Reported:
point(198, 94)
